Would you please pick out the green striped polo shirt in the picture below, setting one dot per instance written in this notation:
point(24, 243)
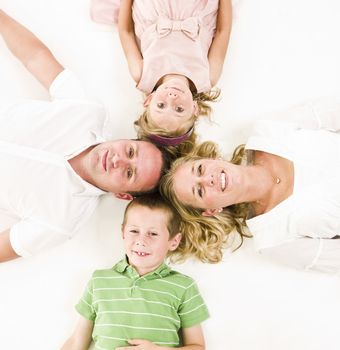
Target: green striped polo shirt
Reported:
point(124, 305)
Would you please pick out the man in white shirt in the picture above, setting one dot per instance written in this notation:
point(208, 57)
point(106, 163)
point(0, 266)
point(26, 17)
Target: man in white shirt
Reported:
point(55, 160)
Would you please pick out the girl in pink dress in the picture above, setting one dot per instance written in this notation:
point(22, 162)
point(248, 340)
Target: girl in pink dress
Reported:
point(175, 51)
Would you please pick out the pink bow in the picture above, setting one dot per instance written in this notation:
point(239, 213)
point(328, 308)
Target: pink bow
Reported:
point(190, 27)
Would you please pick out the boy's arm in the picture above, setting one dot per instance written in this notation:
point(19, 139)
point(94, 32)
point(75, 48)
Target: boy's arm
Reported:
point(81, 337)
point(192, 339)
point(6, 251)
point(128, 40)
point(220, 41)
point(33, 54)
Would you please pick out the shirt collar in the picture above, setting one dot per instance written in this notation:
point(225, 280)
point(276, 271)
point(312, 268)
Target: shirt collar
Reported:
point(129, 271)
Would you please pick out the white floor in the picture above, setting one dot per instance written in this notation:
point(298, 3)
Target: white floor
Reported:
point(280, 52)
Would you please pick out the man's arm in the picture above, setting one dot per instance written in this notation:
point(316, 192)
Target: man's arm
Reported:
point(33, 54)
point(220, 41)
point(6, 250)
point(81, 337)
point(128, 40)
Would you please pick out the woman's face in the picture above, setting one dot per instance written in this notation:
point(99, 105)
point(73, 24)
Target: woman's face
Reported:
point(171, 106)
point(208, 183)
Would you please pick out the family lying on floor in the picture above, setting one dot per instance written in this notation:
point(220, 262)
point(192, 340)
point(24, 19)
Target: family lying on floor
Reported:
point(281, 188)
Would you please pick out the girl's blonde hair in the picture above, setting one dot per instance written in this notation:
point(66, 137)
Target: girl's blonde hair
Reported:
point(207, 236)
point(145, 126)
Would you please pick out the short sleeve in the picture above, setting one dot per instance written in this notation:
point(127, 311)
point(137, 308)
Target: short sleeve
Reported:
point(29, 237)
point(316, 254)
point(192, 310)
point(85, 304)
point(66, 86)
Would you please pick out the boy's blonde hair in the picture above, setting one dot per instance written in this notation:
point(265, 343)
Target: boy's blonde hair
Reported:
point(207, 236)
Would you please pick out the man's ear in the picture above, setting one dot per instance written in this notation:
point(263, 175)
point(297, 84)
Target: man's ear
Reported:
point(148, 100)
point(126, 196)
point(174, 241)
point(211, 212)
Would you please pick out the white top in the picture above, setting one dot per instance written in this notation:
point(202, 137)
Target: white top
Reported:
point(42, 199)
point(299, 230)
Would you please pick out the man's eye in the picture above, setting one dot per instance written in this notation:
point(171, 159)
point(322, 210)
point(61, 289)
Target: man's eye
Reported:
point(131, 152)
point(199, 170)
point(179, 109)
point(129, 173)
point(160, 105)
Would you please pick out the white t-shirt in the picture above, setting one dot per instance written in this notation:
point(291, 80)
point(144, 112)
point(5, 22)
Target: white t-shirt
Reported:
point(299, 231)
point(42, 199)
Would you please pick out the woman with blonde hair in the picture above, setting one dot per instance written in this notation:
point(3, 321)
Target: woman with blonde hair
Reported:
point(282, 188)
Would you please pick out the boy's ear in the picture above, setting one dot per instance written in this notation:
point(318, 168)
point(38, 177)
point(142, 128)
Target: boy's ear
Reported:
point(174, 241)
point(148, 100)
point(126, 196)
point(212, 212)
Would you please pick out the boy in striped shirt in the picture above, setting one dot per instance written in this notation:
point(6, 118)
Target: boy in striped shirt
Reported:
point(141, 303)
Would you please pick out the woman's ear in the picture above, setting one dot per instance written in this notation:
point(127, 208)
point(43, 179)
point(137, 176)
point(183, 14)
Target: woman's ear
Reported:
point(174, 241)
point(196, 109)
point(212, 212)
point(126, 196)
point(148, 100)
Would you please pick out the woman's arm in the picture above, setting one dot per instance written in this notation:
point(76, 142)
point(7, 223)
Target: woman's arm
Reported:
point(81, 337)
point(318, 113)
point(33, 54)
point(128, 40)
point(220, 41)
point(319, 254)
point(192, 340)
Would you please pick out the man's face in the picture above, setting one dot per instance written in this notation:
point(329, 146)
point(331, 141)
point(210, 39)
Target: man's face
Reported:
point(124, 166)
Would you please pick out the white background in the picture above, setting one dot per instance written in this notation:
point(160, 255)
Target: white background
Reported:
point(281, 52)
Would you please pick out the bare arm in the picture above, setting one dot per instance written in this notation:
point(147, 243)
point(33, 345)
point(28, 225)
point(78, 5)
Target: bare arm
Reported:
point(220, 41)
point(192, 339)
point(33, 54)
point(6, 251)
point(128, 40)
point(81, 337)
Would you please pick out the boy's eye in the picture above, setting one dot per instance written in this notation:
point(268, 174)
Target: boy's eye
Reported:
point(179, 109)
point(134, 231)
point(160, 105)
point(153, 233)
point(131, 152)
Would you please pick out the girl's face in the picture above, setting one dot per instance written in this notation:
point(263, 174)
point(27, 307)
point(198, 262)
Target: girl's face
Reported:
point(171, 106)
point(208, 184)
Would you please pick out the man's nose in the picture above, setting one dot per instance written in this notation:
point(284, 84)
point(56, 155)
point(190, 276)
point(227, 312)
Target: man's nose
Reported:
point(118, 161)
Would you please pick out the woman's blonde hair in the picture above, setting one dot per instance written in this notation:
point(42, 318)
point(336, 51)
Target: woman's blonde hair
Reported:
point(145, 125)
point(207, 236)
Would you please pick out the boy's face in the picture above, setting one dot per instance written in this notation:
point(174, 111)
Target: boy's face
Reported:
point(146, 238)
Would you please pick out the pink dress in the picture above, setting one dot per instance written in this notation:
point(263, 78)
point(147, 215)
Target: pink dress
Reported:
point(174, 37)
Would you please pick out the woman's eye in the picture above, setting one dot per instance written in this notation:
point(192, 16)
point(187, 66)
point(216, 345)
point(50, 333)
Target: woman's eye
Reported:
point(131, 152)
point(129, 173)
point(199, 191)
point(179, 109)
point(160, 105)
point(134, 231)
point(154, 234)
point(199, 170)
